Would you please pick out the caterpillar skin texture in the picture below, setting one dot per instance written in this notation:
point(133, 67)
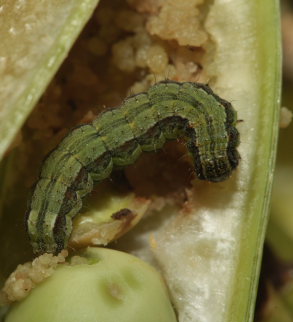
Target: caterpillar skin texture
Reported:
point(116, 138)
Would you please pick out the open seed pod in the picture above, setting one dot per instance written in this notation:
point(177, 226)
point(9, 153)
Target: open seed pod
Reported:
point(205, 239)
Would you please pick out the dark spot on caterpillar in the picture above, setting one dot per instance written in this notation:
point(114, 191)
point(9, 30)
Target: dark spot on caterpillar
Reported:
point(116, 138)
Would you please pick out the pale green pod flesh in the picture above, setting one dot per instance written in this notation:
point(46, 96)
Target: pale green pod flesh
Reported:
point(32, 47)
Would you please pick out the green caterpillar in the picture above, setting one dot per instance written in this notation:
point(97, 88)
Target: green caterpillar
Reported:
point(116, 138)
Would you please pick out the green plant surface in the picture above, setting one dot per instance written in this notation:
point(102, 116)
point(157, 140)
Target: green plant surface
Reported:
point(256, 208)
point(35, 38)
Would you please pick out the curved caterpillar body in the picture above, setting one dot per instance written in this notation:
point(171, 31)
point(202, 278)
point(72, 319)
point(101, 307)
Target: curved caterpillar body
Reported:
point(116, 138)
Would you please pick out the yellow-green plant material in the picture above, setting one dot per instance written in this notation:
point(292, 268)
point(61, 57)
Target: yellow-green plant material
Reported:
point(35, 39)
point(101, 285)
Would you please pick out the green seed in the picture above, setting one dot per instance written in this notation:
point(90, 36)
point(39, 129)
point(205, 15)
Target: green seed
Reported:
point(106, 286)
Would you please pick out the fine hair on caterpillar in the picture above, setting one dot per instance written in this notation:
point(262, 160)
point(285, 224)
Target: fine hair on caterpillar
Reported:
point(116, 138)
